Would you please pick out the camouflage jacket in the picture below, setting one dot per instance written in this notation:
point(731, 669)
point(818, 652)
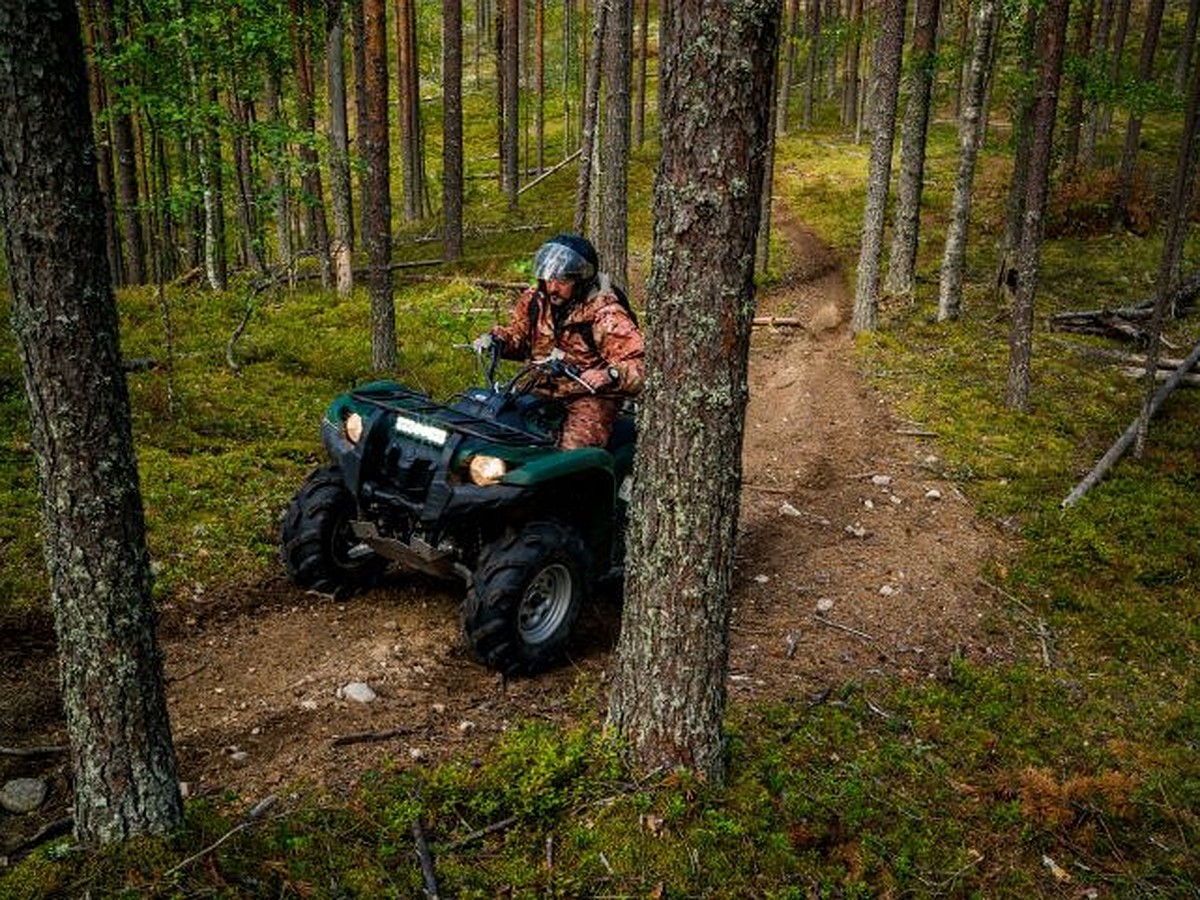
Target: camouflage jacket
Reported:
point(595, 334)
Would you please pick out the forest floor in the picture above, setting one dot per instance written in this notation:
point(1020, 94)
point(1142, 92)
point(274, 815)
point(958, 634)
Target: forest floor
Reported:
point(857, 559)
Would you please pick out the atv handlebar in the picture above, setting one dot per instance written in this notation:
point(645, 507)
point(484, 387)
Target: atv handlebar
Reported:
point(553, 366)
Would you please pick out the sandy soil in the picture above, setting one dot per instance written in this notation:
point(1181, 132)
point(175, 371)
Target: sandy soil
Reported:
point(856, 559)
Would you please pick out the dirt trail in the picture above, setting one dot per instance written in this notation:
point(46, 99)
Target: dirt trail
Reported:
point(855, 558)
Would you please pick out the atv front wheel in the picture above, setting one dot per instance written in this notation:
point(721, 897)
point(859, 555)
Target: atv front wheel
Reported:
point(317, 545)
point(525, 596)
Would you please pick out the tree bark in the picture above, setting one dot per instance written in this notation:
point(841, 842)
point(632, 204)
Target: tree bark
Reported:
point(408, 90)
point(791, 40)
point(612, 239)
point(886, 68)
point(98, 100)
point(812, 69)
point(1052, 41)
point(316, 228)
point(452, 129)
point(1133, 128)
point(65, 319)
point(906, 231)
point(249, 221)
point(1099, 53)
point(970, 133)
point(590, 116)
point(669, 690)
point(639, 102)
point(850, 101)
point(1022, 142)
point(1074, 121)
point(1187, 43)
point(377, 203)
point(512, 100)
point(278, 155)
point(339, 146)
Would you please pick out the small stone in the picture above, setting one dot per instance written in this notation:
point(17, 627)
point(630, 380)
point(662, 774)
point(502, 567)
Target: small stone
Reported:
point(895, 499)
point(786, 509)
point(933, 494)
point(23, 795)
point(466, 726)
point(869, 503)
point(881, 480)
point(358, 691)
point(887, 590)
point(856, 530)
point(416, 754)
point(439, 708)
point(762, 579)
point(239, 757)
point(825, 604)
point(310, 705)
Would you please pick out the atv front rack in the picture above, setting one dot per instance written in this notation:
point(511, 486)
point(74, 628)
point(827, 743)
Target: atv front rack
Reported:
point(403, 401)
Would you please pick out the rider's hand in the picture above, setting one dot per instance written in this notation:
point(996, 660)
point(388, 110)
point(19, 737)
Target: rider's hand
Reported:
point(483, 343)
point(597, 379)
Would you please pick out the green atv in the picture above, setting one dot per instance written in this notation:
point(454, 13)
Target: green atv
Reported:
point(473, 488)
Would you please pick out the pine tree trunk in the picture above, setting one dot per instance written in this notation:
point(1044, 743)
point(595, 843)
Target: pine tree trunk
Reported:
point(791, 40)
point(452, 129)
point(591, 104)
point(1099, 52)
point(65, 319)
point(358, 45)
point(812, 69)
point(408, 90)
point(853, 52)
point(317, 229)
point(250, 227)
point(669, 695)
point(970, 133)
point(612, 239)
point(1104, 122)
point(280, 187)
point(1022, 140)
point(906, 232)
point(339, 146)
point(377, 201)
point(1133, 128)
point(886, 68)
point(512, 100)
point(539, 125)
point(1051, 42)
point(1074, 121)
point(98, 102)
point(1187, 44)
point(639, 102)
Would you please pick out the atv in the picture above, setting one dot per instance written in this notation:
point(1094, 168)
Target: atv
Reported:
point(474, 488)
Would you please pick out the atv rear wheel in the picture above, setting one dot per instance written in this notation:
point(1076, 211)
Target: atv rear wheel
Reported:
point(525, 597)
point(318, 548)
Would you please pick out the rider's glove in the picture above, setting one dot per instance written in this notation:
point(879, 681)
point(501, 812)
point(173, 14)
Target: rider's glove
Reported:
point(484, 342)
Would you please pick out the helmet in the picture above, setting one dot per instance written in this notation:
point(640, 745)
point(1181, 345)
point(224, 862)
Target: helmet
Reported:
point(566, 256)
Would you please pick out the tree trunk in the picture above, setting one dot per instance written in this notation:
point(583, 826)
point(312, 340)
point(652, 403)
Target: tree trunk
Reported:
point(316, 228)
point(339, 146)
point(452, 129)
point(812, 70)
point(1074, 121)
point(539, 125)
point(1133, 129)
point(377, 202)
point(902, 261)
point(970, 133)
point(612, 239)
point(1183, 61)
point(590, 115)
point(1099, 52)
point(98, 101)
point(639, 102)
point(850, 102)
point(1051, 42)
point(279, 156)
point(250, 226)
point(65, 319)
point(512, 100)
point(1114, 64)
point(408, 91)
point(1022, 141)
point(669, 690)
point(215, 253)
point(358, 44)
point(792, 41)
point(886, 67)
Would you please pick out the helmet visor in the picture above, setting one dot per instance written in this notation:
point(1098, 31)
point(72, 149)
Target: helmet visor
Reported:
point(558, 262)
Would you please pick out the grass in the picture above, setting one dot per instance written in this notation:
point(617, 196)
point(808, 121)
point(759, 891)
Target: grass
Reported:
point(1018, 779)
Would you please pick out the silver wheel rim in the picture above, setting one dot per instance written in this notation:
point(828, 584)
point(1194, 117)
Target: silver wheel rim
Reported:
point(545, 604)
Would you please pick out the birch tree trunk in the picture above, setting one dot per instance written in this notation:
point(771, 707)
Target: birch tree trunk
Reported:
point(65, 319)
point(970, 132)
point(906, 231)
point(669, 689)
point(1051, 42)
point(888, 51)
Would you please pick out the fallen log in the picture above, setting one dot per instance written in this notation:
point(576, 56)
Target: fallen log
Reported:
point(1162, 375)
point(1117, 450)
point(778, 321)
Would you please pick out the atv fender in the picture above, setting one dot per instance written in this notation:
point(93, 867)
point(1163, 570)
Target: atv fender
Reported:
point(559, 465)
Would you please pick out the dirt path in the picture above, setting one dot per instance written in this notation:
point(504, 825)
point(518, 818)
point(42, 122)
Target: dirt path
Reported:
point(855, 558)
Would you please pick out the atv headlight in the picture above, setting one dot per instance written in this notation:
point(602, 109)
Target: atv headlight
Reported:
point(486, 469)
point(352, 427)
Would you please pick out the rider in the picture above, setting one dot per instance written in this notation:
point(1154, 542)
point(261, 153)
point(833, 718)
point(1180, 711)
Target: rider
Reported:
point(575, 308)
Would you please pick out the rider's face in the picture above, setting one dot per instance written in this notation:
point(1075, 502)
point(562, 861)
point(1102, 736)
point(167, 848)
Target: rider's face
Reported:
point(559, 291)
